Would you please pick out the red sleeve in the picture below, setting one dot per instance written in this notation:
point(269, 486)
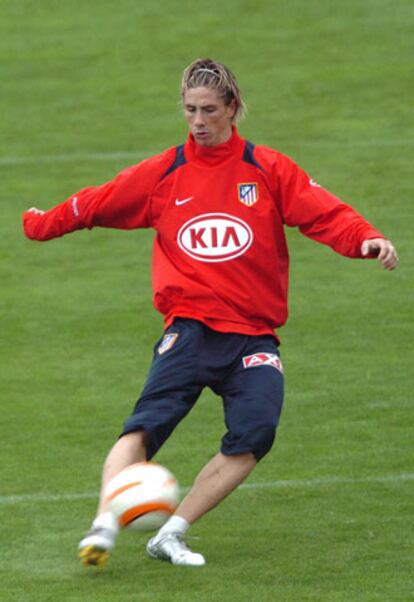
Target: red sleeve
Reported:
point(124, 203)
point(319, 214)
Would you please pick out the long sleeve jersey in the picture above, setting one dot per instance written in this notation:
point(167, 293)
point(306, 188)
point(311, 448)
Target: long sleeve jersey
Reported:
point(220, 254)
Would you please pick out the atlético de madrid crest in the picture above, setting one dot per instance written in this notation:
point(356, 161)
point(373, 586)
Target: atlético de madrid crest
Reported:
point(248, 193)
point(167, 342)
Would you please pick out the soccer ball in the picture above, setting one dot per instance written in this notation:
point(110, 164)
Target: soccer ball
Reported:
point(142, 496)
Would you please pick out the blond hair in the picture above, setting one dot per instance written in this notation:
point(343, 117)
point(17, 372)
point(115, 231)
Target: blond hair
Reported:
point(214, 75)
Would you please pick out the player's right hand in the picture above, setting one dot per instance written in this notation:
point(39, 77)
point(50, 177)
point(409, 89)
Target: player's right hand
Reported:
point(35, 210)
point(32, 218)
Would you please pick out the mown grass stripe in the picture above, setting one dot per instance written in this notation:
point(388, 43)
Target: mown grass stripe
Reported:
point(140, 154)
point(291, 483)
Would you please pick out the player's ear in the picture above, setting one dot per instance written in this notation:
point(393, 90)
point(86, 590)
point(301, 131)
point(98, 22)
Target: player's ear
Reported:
point(232, 108)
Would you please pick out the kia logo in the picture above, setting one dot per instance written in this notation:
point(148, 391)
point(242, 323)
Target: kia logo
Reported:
point(215, 237)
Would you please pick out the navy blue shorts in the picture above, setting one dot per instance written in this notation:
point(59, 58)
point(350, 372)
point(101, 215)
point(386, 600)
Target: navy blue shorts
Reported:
point(244, 370)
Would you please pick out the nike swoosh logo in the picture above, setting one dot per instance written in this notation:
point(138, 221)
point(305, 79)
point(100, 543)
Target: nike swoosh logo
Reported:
point(182, 201)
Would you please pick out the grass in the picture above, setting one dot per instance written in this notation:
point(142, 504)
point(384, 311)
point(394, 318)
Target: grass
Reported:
point(88, 89)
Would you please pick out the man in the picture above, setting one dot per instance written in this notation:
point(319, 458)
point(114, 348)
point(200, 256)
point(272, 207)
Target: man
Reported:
point(218, 205)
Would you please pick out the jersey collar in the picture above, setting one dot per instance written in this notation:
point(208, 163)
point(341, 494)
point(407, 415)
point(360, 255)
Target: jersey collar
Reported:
point(214, 155)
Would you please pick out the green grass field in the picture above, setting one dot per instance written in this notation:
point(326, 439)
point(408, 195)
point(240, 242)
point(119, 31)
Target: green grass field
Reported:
point(91, 87)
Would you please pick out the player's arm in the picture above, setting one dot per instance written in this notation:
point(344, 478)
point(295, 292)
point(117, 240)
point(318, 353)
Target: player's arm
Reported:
point(121, 203)
point(323, 217)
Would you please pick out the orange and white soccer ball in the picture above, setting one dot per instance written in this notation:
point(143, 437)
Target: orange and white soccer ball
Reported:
point(142, 496)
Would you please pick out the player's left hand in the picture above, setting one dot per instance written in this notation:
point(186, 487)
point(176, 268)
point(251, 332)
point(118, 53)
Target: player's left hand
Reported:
point(383, 250)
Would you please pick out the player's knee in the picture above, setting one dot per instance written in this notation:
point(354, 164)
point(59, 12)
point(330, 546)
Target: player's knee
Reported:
point(132, 445)
point(257, 439)
point(263, 439)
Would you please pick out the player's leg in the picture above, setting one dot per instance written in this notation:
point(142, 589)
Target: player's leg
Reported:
point(129, 449)
point(215, 482)
point(168, 395)
point(253, 399)
point(95, 547)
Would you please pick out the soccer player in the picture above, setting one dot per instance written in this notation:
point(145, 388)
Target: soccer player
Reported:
point(218, 205)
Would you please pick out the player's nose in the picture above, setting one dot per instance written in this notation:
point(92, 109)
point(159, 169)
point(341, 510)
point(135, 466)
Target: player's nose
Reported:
point(198, 119)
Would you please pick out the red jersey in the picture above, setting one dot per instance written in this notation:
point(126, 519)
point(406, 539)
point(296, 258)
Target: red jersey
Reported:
point(220, 253)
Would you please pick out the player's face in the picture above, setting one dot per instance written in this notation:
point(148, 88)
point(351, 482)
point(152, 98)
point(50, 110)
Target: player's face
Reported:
point(208, 117)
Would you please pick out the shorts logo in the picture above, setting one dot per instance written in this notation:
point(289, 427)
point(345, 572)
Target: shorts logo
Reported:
point(248, 194)
point(167, 342)
point(263, 359)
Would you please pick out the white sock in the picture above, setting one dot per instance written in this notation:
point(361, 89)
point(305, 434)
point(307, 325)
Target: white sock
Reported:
point(175, 524)
point(106, 520)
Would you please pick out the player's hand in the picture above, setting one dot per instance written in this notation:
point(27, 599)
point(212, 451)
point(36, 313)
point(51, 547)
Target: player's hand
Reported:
point(32, 219)
point(35, 210)
point(383, 250)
